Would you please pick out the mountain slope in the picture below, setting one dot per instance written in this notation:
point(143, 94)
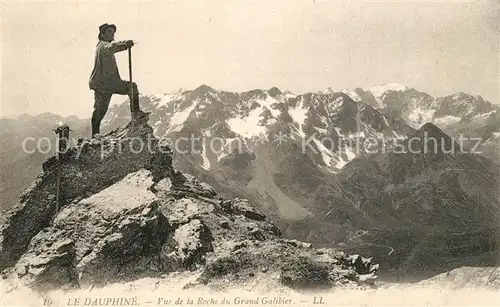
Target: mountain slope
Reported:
point(421, 207)
point(461, 115)
point(254, 135)
point(418, 108)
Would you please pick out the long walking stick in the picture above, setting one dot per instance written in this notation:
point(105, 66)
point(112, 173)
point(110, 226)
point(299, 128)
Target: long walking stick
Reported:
point(131, 84)
point(134, 103)
point(63, 138)
point(58, 184)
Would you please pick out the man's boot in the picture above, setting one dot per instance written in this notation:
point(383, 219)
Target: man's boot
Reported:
point(95, 127)
point(135, 110)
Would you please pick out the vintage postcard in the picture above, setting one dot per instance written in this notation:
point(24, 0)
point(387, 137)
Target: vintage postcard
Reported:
point(250, 153)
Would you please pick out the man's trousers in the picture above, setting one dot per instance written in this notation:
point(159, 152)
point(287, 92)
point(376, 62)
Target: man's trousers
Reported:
point(102, 99)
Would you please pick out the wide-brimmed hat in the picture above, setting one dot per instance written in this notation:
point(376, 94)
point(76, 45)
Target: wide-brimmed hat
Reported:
point(103, 27)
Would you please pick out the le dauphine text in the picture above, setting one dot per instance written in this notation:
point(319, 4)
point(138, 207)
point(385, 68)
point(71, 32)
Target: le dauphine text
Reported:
point(198, 301)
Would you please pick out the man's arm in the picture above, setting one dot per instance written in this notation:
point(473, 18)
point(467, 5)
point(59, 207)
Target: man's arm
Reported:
point(117, 46)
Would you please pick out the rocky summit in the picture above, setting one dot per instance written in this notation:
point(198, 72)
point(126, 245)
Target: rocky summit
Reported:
point(125, 213)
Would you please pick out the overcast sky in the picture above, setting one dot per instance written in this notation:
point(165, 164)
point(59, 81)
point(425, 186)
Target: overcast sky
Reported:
point(437, 47)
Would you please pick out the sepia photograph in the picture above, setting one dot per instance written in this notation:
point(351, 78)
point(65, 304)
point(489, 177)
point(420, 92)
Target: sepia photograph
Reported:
point(250, 153)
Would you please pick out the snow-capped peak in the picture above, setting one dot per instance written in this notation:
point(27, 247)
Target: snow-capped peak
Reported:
point(165, 99)
point(379, 90)
point(352, 94)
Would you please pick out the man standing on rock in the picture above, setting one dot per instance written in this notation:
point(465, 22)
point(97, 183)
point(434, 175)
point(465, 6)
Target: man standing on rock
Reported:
point(105, 79)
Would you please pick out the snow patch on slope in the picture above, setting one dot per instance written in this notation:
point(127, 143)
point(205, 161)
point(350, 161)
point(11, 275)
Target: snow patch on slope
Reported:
point(206, 162)
point(165, 99)
point(420, 116)
point(484, 115)
point(268, 104)
point(335, 105)
point(350, 154)
point(104, 122)
point(447, 120)
point(179, 117)
point(325, 153)
point(248, 126)
point(299, 115)
point(321, 130)
point(341, 163)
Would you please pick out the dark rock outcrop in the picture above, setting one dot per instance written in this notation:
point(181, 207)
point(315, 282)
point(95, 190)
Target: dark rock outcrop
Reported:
point(86, 169)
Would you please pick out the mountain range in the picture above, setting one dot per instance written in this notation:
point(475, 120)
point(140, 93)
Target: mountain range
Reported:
point(304, 160)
